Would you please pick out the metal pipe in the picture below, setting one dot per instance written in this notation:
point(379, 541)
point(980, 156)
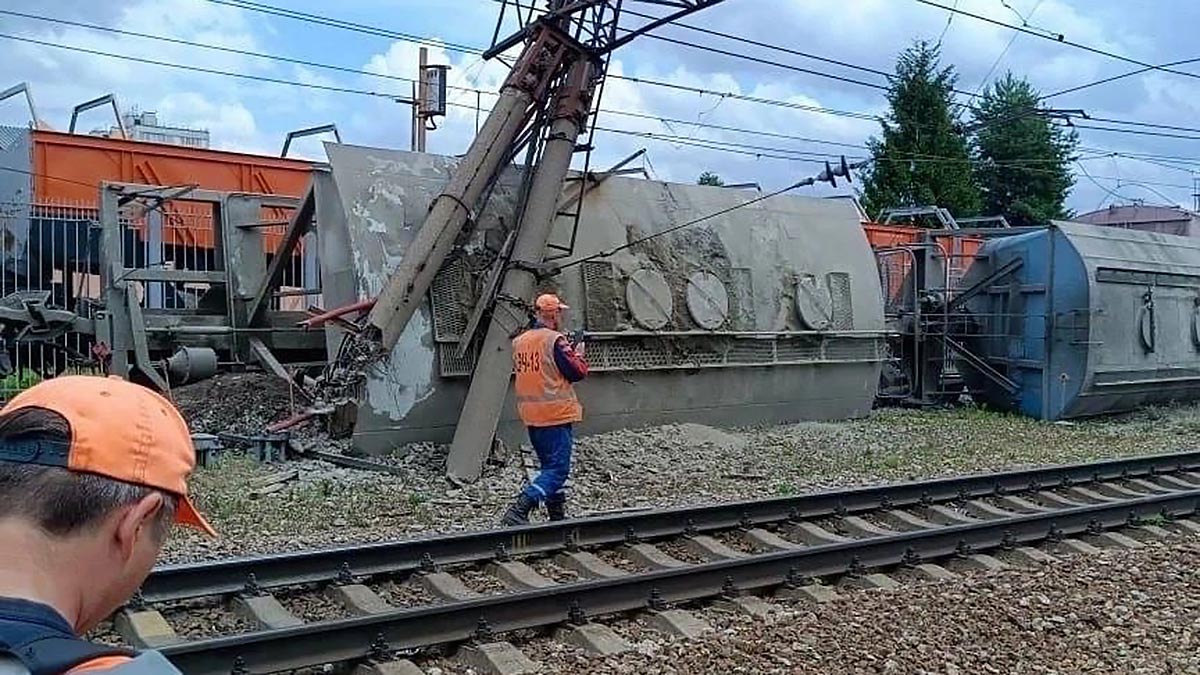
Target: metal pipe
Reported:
point(218, 330)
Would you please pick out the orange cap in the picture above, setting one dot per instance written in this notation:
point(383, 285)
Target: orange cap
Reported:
point(122, 431)
point(548, 302)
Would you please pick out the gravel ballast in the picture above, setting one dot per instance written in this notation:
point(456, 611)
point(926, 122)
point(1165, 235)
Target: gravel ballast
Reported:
point(669, 465)
point(1116, 612)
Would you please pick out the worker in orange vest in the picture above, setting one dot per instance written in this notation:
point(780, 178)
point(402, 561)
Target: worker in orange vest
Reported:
point(547, 365)
point(93, 473)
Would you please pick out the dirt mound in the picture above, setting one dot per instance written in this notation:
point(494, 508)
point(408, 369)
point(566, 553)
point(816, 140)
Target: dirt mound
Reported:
point(239, 403)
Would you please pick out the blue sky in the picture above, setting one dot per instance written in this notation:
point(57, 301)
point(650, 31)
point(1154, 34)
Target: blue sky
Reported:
point(254, 116)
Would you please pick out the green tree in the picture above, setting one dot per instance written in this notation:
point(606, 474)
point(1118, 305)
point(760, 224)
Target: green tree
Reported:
point(1022, 161)
point(710, 178)
point(922, 158)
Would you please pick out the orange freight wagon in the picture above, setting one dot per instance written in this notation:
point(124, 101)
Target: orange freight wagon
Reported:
point(68, 169)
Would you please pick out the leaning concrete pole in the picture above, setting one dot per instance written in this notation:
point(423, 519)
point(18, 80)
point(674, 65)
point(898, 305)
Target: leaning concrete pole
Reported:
point(454, 207)
point(489, 382)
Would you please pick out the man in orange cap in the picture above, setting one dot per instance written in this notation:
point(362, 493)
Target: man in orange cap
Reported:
point(547, 365)
point(93, 472)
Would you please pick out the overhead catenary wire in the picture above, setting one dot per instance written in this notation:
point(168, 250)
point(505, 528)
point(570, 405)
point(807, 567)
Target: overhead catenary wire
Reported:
point(1114, 78)
point(721, 146)
point(703, 143)
point(47, 176)
point(395, 96)
point(680, 226)
point(352, 26)
point(1057, 37)
point(1011, 41)
point(1018, 29)
point(368, 73)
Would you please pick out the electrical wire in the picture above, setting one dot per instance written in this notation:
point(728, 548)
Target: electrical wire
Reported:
point(1136, 132)
point(201, 69)
point(38, 174)
point(676, 228)
point(1011, 41)
point(1114, 78)
point(767, 62)
point(757, 151)
point(352, 26)
point(1017, 29)
point(212, 47)
point(1059, 38)
point(1148, 125)
point(398, 97)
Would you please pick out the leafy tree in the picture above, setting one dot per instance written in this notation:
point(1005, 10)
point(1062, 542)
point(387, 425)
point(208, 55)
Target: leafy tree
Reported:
point(710, 178)
point(922, 158)
point(1021, 159)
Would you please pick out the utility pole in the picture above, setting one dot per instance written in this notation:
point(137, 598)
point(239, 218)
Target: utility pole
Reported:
point(456, 204)
point(428, 98)
point(566, 50)
point(419, 108)
point(489, 382)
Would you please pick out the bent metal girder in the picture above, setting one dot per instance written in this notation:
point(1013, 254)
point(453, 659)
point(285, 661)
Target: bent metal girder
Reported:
point(414, 629)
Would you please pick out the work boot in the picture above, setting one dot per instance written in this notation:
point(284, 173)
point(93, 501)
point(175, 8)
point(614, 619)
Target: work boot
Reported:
point(556, 507)
point(518, 513)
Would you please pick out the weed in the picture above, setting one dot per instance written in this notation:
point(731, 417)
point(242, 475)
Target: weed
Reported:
point(20, 381)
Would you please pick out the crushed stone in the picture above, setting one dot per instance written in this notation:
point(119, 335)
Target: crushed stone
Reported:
point(671, 465)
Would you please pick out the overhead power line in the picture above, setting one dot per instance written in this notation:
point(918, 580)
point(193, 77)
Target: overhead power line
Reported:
point(400, 96)
point(753, 99)
point(1136, 132)
point(218, 48)
point(1058, 37)
point(202, 69)
point(250, 5)
point(352, 26)
point(396, 96)
point(1114, 78)
point(1136, 123)
point(768, 62)
point(723, 146)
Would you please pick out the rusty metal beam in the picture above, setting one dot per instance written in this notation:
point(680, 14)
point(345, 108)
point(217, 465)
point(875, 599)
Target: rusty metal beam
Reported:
point(298, 226)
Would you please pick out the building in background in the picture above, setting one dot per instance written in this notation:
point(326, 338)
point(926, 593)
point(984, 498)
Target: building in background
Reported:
point(1147, 218)
point(144, 126)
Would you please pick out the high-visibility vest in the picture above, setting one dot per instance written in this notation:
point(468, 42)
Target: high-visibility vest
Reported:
point(544, 397)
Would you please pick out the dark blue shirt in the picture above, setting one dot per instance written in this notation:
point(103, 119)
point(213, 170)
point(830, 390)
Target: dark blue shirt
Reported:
point(570, 364)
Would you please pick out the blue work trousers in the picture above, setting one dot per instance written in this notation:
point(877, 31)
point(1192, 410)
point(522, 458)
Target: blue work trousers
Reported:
point(553, 448)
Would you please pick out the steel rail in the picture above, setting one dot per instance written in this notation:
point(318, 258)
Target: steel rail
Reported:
point(232, 575)
point(176, 582)
point(414, 629)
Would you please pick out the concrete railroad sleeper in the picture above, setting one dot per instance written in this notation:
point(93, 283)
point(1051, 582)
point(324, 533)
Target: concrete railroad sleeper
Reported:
point(380, 635)
point(231, 576)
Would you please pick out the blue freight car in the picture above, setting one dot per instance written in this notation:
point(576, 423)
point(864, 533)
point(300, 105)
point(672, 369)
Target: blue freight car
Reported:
point(1076, 320)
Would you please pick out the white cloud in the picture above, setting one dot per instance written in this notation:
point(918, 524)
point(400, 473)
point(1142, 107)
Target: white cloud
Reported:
point(247, 115)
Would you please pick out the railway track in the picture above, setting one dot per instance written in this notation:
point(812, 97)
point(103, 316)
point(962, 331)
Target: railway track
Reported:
point(420, 594)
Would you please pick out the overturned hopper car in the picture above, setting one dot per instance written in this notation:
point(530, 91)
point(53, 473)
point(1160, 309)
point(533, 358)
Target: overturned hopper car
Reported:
point(769, 313)
point(1076, 320)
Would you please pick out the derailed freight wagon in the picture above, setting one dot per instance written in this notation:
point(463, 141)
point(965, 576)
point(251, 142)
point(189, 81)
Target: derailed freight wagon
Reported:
point(769, 313)
point(1080, 320)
